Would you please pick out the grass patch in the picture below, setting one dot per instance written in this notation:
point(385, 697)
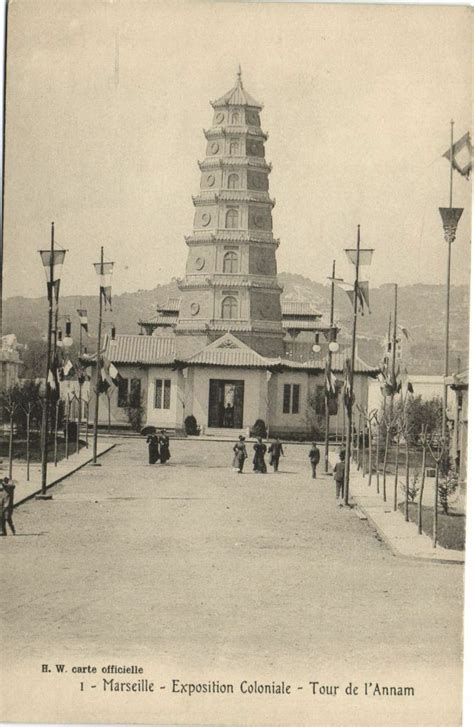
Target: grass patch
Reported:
point(451, 528)
point(19, 449)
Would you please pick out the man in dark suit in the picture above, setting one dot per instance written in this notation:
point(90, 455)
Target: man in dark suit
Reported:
point(276, 451)
point(314, 457)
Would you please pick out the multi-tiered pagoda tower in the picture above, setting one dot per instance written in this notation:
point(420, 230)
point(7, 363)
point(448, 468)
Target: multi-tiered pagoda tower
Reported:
point(231, 273)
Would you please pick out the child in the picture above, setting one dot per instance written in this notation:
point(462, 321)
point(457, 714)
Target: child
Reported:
point(339, 471)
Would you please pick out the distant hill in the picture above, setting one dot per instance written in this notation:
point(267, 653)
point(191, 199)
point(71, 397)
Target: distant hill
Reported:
point(421, 311)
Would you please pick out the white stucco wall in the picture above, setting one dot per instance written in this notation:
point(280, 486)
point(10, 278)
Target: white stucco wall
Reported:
point(173, 416)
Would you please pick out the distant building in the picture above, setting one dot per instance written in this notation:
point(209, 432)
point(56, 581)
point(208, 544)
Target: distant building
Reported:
point(428, 386)
point(229, 351)
point(10, 362)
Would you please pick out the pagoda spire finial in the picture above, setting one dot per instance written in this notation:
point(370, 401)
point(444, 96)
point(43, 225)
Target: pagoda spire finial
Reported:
point(239, 74)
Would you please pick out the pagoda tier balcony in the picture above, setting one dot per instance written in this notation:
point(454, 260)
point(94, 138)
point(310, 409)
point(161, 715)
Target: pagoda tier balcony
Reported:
point(227, 235)
point(228, 280)
point(229, 162)
point(233, 195)
point(232, 236)
point(234, 324)
point(218, 132)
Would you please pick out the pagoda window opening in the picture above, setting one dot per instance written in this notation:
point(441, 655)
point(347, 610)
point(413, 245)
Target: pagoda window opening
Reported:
point(230, 262)
point(233, 181)
point(235, 117)
point(229, 307)
point(234, 148)
point(232, 218)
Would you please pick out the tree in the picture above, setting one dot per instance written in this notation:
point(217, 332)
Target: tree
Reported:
point(34, 359)
point(419, 414)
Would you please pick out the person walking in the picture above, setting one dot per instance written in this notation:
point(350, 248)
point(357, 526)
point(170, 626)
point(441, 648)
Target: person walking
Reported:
point(164, 442)
point(240, 455)
point(153, 451)
point(276, 451)
point(314, 457)
point(8, 491)
point(339, 471)
point(259, 464)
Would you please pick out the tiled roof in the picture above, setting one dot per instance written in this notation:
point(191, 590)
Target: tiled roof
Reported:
point(160, 321)
point(231, 357)
point(237, 96)
point(304, 325)
point(172, 304)
point(156, 350)
point(128, 349)
point(298, 308)
point(338, 361)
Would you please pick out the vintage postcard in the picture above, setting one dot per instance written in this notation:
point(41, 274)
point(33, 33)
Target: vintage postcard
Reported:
point(234, 370)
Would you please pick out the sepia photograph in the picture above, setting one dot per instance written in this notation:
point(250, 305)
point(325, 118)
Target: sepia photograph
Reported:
point(234, 363)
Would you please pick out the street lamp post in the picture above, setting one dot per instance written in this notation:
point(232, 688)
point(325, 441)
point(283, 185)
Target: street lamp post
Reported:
point(53, 260)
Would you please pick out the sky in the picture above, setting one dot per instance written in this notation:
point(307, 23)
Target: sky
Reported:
point(106, 103)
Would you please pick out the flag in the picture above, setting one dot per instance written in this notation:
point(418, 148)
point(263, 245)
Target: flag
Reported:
point(53, 378)
point(104, 271)
point(365, 255)
point(67, 368)
point(109, 373)
point(114, 374)
point(364, 294)
point(404, 331)
point(83, 320)
point(53, 268)
point(330, 382)
point(460, 155)
point(348, 393)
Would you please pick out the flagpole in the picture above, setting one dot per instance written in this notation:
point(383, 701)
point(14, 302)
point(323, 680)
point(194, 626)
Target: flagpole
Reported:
point(331, 325)
point(351, 374)
point(394, 346)
point(97, 378)
point(45, 422)
point(448, 294)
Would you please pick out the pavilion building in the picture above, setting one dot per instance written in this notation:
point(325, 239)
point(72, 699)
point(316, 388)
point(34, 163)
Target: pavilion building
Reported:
point(229, 350)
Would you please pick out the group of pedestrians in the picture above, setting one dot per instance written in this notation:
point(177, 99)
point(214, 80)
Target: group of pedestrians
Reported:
point(275, 450)
point(158, 447)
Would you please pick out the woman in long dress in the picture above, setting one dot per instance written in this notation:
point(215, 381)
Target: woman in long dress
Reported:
point(259, 464)
point(153, 451)
point(164, 447)
point(240, 455)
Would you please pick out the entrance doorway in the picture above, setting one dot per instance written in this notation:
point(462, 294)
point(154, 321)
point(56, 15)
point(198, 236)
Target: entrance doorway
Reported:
point(226, 403)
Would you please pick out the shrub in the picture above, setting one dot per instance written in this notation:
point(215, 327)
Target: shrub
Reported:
point(413, 487)
point(191, 426)
point(446, 489)
point(259, 429)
